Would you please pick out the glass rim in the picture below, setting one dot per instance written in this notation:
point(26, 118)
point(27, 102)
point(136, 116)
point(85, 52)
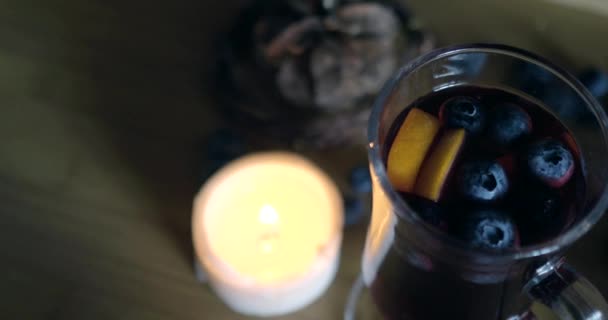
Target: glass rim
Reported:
point(376, 159)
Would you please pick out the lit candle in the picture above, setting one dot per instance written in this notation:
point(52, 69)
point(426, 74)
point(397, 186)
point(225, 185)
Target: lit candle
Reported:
point(267, 230)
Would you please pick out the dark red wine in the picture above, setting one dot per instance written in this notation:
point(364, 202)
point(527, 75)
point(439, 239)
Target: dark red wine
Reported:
point(515, 179)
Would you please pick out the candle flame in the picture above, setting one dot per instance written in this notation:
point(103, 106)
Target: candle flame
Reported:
point(268, 215)
point(266, 246)
point(267, 242)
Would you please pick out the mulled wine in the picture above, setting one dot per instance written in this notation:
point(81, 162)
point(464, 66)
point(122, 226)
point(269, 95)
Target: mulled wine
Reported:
point(489, 169)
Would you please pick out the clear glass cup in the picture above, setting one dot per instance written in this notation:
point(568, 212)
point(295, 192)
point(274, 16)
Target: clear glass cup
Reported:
point(413, 271)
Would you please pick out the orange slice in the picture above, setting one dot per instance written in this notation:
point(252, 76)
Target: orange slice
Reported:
point(410, 147)
point(436, 168)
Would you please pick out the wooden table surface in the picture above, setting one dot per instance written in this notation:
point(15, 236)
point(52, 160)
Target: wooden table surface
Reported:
point(103, 116)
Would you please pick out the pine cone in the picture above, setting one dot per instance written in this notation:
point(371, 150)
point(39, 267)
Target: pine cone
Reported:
point(308, 75)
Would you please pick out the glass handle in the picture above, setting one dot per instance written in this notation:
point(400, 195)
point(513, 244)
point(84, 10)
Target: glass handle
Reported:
point(352, 300)
point(570, 296)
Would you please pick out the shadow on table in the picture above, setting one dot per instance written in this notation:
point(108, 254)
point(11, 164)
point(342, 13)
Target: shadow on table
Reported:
point(146, 68)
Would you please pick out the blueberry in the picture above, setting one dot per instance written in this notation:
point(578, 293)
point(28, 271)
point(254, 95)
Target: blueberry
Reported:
point(489, 228)
point(428, 210)
point(596, 82)
point(482, 181)
point(360, 179)
point(354, 210)
point(551, 162)
point(508, 124)
point(464, 112)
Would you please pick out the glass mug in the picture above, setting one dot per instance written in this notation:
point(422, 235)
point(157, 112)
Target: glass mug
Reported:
point(414, 272)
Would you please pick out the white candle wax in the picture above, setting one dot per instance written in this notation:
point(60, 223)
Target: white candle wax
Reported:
point(267, 229)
